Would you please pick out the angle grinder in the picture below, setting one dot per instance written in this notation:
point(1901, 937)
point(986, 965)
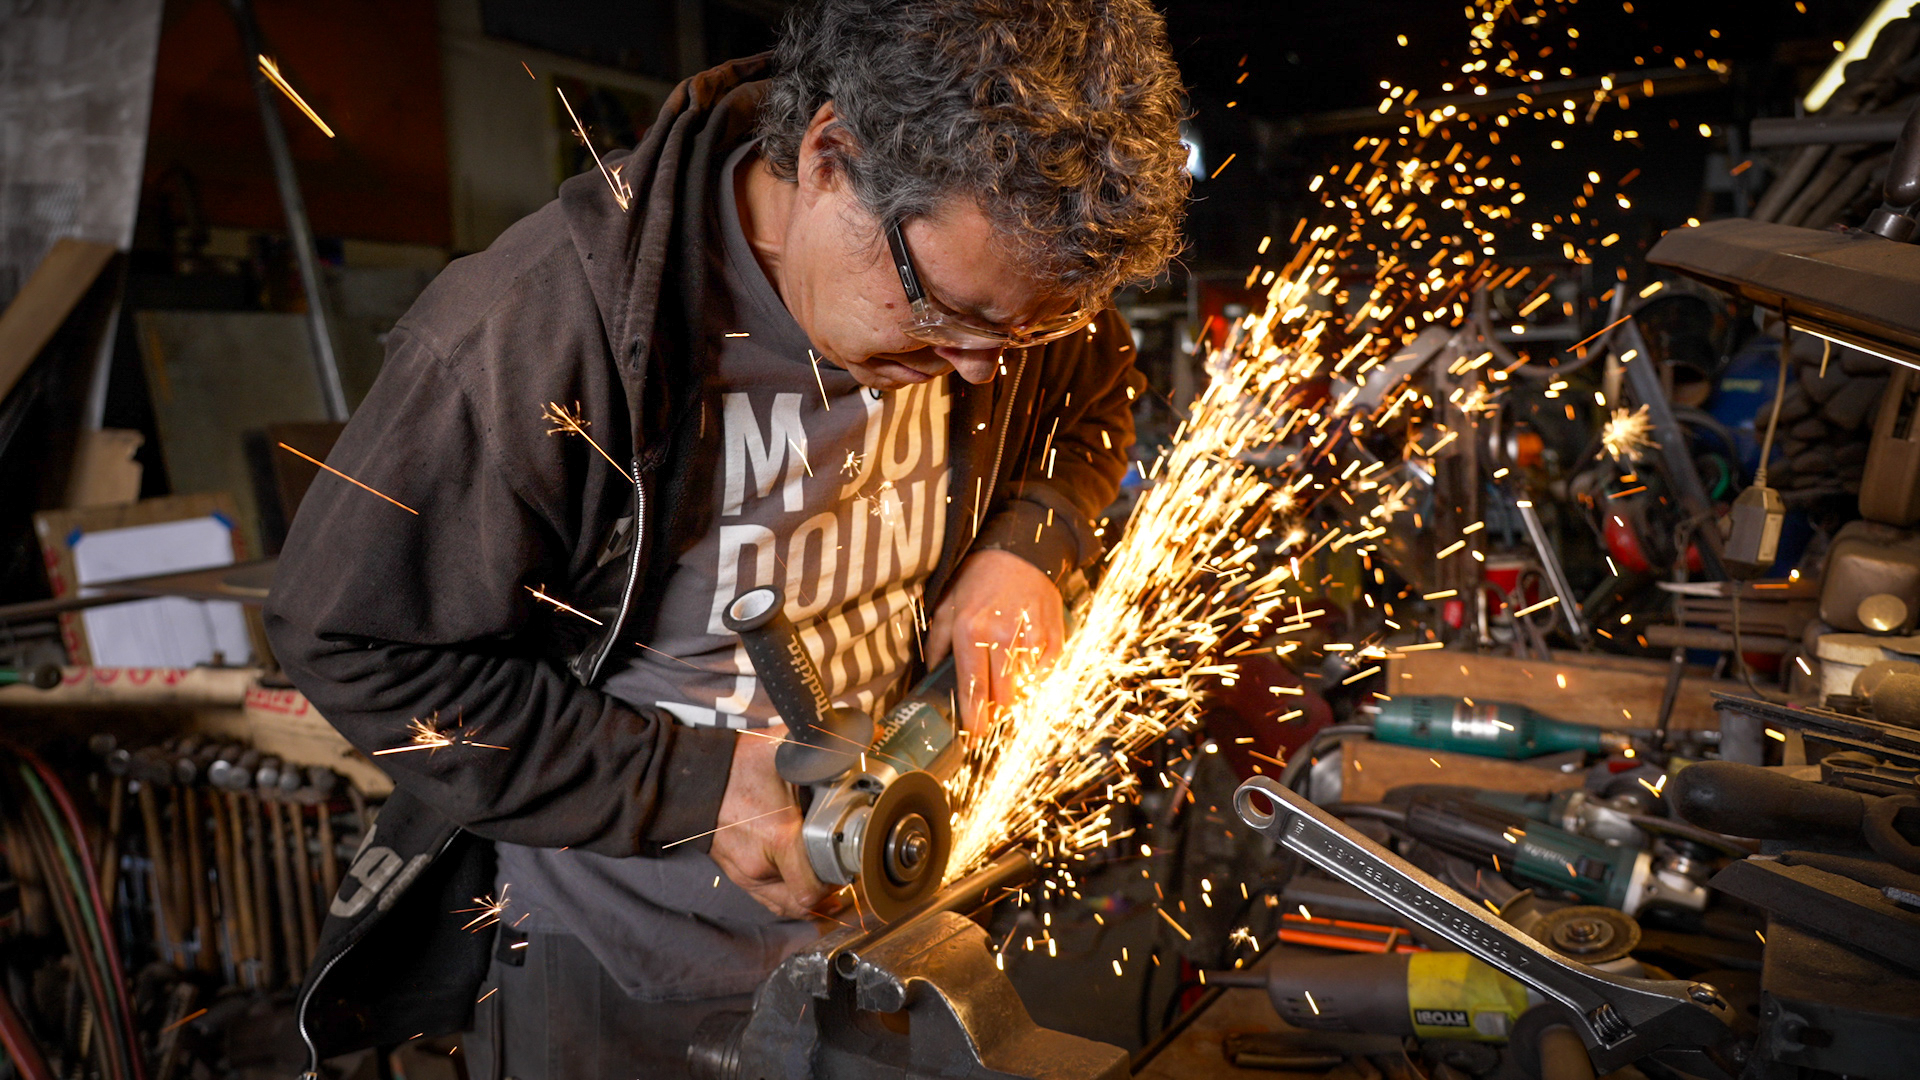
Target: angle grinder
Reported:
point(876, 814)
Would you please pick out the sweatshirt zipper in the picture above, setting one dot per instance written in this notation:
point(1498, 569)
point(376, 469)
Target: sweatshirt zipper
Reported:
point(306, 995)
point(592, 672)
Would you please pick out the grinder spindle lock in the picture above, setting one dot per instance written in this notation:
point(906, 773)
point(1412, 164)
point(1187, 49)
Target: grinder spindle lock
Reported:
point(876, 813)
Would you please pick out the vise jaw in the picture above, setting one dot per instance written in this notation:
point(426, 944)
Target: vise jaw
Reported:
point(923, 1002)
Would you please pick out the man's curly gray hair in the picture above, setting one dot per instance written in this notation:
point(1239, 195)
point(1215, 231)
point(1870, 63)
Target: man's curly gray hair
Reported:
point(1060, 118)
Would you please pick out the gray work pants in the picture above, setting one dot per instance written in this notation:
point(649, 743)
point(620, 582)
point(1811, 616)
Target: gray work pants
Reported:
point(558, 1015)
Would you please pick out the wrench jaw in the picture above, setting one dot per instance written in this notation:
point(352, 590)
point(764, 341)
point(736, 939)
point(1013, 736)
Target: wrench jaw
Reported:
point(1620, 1019)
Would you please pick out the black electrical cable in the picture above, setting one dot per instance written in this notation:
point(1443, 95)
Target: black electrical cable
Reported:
point(1391, 815)
point(1739, 655)
point(1176, 1024)
point(1322, 739)
point(1730, 845)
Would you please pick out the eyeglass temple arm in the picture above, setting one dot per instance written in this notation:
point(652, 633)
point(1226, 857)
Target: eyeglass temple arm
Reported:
point(903, 262)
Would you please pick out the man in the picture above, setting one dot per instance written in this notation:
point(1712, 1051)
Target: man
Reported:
point(848, 337)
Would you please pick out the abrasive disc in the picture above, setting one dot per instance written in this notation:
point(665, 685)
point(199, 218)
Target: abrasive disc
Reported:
point(911, 823)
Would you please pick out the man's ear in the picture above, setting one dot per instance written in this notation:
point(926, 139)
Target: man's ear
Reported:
point(823, 151)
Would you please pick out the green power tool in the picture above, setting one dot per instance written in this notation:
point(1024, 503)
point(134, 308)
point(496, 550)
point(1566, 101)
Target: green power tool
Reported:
point(1534, 853)
point(1488, 729)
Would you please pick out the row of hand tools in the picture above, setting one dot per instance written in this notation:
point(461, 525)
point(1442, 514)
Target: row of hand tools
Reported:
point(233, 859)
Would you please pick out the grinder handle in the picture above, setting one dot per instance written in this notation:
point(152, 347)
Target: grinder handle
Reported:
point(1748, 800)
point(779, 658)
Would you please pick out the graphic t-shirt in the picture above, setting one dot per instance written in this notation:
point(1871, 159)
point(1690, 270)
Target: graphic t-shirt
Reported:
point(835, 496)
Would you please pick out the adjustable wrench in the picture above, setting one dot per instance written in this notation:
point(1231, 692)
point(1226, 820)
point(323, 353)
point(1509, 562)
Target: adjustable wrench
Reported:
point(1620, 1019)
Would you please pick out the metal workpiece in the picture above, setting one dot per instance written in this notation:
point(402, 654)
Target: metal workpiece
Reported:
point(962, 1018)
point(1619, 1019)
point(1549, 557)
point(965, 895)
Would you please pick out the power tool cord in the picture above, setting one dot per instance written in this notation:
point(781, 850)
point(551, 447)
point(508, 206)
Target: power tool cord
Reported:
point(1322, 740)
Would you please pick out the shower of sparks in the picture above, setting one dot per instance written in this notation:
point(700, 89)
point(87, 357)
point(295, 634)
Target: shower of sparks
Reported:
point(622, 193)
point(427, 737)
point(349, 479)
point(570, 423)
point(1628, 434)
point(272, 71)
point(1323, 414)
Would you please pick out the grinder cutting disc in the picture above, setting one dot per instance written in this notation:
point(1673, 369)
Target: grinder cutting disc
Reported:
point(903, 853)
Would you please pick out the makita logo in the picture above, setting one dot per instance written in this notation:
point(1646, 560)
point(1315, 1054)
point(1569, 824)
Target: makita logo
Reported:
point(1441, 1018)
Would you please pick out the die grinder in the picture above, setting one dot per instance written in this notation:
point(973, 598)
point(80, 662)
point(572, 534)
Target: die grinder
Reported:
point(876, 815)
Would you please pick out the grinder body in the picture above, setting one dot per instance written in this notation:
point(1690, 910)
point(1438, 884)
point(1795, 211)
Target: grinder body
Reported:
point(876, 815)
point(884, 824)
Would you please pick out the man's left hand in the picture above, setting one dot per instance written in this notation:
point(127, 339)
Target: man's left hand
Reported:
point(1001, 619)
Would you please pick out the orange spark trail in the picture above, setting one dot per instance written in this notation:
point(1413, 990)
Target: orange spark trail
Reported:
point(350, 479)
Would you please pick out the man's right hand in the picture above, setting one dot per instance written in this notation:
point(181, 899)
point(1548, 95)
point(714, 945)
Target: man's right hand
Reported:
point(758, 843)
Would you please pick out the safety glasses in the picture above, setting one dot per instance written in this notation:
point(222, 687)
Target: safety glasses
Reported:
point(935, 325)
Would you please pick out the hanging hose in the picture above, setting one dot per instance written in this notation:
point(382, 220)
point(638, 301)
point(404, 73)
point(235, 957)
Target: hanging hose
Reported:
point(28, 1060)
point(90, 875)
point(67, 913)
point(57, 837)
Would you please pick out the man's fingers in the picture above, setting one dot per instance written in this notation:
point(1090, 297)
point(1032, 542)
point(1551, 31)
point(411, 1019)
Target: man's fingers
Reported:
point(940, 633)
point(803, 890)
point(972, 666)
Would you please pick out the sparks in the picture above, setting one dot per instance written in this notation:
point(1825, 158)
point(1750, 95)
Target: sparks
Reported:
point(349, 479)
point(622, 194)
point(427, 737)
point(1628, 435)
point(570, 423)
point(272, 71)
point(488, 910)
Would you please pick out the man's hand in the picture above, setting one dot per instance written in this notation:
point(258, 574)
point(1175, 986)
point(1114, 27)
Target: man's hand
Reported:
point(1001, 618)
point(758, 843)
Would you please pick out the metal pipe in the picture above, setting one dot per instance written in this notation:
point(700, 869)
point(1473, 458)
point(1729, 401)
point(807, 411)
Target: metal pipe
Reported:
point(299, 231)
point(1550, 562)
point(969, 893)
point(1645, 380)
point(1826, 130)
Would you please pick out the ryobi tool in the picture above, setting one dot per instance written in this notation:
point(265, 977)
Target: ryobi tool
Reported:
point(1434, 995)
point(876, 814)
point(1492, 729)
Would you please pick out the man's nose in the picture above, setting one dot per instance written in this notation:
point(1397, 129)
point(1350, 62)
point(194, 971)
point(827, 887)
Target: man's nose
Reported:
point(974, 365)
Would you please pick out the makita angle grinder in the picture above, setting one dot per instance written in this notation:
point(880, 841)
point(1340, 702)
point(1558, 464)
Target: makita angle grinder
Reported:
point(876, 813)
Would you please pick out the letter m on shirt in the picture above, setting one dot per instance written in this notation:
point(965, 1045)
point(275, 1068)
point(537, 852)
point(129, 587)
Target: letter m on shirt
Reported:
point(784, 448)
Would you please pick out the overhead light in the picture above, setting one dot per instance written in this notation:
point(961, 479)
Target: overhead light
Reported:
point(1883, 13)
